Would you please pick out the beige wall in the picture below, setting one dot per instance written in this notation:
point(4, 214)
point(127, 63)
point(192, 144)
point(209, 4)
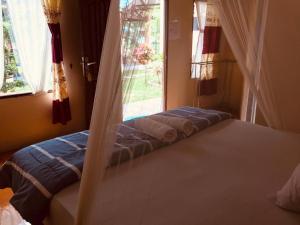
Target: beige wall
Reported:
point(179, 84)
point(283, 46)
point(25, 120)
point(233, 81)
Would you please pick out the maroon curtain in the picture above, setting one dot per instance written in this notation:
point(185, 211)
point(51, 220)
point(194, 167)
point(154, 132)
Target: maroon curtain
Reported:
point(208, 84)
point(57, 53)
point(208, 87)
point(61, 104)
point(211, 39)
point(211, 45)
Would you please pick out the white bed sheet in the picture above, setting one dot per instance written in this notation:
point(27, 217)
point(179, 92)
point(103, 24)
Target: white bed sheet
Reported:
point(228, 174)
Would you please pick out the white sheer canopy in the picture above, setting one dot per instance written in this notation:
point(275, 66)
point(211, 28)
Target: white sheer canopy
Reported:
point(200, 9)
point(117, 68)
point(243, 22)
point(32, 38)
point(104, 118)
point(246, 39)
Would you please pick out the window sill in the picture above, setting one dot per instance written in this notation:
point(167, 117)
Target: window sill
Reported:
point(15, 95)
point(22, 94)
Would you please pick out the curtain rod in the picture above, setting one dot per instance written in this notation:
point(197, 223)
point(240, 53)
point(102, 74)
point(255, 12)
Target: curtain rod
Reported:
point(213, 62)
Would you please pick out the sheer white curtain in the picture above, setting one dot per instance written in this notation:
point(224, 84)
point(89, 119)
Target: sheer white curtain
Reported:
point(200, 10)
point(32, 37)
point(244, 22)
point(1, 50)
point(105, 114)
point(116, 73)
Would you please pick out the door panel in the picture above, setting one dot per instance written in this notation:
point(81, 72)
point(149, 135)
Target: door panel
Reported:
point(94, 15)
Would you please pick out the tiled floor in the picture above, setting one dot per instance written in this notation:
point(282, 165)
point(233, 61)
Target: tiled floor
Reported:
point(7, 212)
point(5, 194)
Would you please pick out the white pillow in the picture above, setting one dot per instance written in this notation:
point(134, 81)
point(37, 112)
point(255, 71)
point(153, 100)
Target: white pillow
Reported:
point(289, 196)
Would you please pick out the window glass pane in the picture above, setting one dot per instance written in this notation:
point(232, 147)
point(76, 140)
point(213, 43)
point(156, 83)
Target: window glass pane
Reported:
point(142, 57)
point(13, 79)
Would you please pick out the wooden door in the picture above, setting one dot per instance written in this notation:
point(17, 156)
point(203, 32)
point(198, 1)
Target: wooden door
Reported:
point(94, 15)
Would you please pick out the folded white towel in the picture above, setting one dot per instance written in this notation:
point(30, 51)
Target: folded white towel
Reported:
point(181, 124)
point(156, 129)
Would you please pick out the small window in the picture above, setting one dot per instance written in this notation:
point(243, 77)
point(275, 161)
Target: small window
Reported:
point(199, 16)
point(12, 66)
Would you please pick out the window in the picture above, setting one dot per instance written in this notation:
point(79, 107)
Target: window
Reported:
point(25, 63)
point(199, 16)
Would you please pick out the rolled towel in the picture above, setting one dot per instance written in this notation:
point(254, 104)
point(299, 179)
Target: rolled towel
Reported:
point(181, 124)
point(156, 129)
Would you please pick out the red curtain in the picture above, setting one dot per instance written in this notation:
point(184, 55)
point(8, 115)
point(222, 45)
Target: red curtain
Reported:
point(61, 104)
point(211, 39)
point(208, 84)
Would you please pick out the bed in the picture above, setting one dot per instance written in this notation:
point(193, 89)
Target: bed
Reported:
point(226, 174)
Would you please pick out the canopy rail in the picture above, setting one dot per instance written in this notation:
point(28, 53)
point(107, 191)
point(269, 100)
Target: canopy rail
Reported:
point(198, 65)
point(226, 79)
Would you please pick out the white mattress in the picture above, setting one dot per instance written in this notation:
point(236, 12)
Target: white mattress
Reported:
point(227, 174)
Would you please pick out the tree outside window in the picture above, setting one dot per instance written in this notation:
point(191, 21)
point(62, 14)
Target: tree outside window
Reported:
point(13, 79)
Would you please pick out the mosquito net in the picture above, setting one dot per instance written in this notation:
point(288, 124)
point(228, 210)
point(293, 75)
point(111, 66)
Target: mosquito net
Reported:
point(106, 193)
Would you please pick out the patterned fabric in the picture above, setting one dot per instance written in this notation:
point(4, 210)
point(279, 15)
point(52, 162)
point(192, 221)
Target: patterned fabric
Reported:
point(61, 105)
point(38, 172)
point(52, 10)
point(211, 44)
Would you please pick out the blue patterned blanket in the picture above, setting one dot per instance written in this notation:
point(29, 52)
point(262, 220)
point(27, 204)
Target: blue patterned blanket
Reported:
point(39, 171)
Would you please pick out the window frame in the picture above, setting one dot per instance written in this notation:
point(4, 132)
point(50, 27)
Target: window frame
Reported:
point(15, 95)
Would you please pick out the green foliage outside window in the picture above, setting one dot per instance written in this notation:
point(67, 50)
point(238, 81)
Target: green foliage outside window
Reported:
point(12, 80)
